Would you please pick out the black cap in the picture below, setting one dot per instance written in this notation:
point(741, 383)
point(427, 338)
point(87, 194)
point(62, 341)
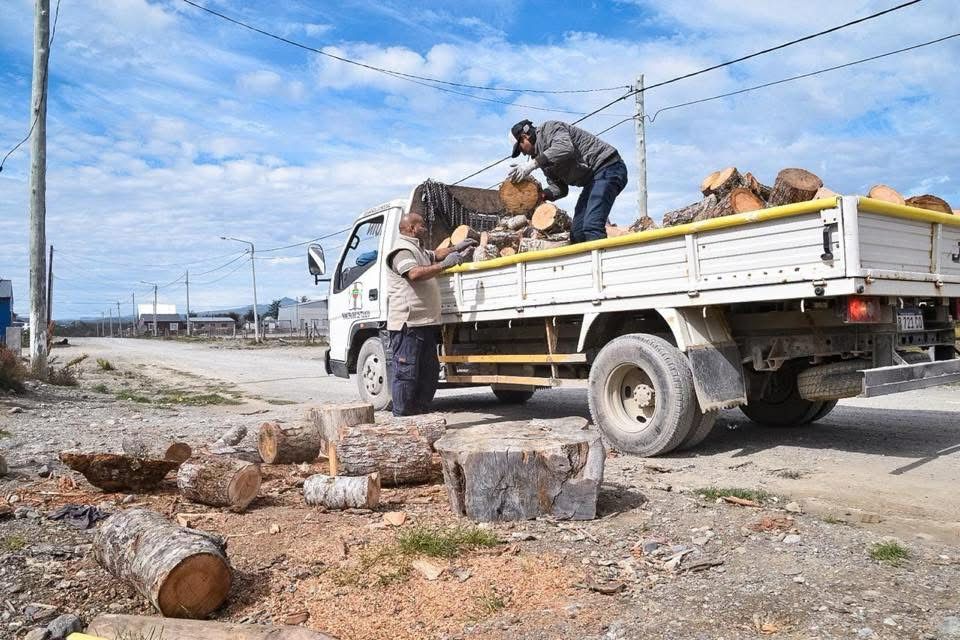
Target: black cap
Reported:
point(524, 126)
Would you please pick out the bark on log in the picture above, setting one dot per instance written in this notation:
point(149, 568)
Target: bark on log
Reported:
point(184, 573)
point(501, 239)
point(740, 200)
point(725, 181)
point(119, 472)
point(286, 444)
point(686, 214)
point(240, 452)
point(122, 627)
point(519, 471)
point(484, 252)
point(140, 448)
point(548, 218)
point(886, 194)
point(520, 197)
point(539, 244)
point(794, 185)
point(930, 203)
point(396, 451)
point(515, 223)
point(444, 244)
point(219, 482)
point(507, 251)
point(643, 223)
point(328, 418)
point(750, 182)
point(431, 426)
point(342, 492)
point(232, 437)
point(463, 232)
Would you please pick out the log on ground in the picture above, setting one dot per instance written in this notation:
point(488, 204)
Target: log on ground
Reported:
point(520, 197)
point(119, 472)
point(885, 193)
point(398, 452)
point(123, 627)
point(184, 573)
point(520, 470)
point(930, 203)
point(141, 448)
point(548, 218)
point(686, 214)
point(342, 492)
point(431, 426)
point(794, 185)
point(463, 232)
point(288, 444)
point(328, 418)
point(219, 481)
point(740, 200)
point(232, 437)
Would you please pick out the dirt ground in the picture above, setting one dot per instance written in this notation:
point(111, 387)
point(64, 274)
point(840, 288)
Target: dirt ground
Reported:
point(878, 471)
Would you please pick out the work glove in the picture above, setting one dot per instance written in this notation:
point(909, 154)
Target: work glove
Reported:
point(519, 172)
point(463, 245)
point(452, 260)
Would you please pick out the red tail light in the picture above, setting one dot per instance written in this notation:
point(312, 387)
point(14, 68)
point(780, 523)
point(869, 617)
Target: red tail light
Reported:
point(863, 309)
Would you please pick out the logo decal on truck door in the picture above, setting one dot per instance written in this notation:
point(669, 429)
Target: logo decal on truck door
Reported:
point(356, 297)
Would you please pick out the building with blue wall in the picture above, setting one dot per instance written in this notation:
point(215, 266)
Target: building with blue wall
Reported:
point(6, 307)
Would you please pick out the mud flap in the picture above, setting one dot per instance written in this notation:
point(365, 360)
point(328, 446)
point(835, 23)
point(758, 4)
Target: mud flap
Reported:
point(717, 376)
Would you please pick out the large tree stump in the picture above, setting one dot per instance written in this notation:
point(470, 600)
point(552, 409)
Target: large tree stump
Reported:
point(117, 471)
point(521, 470)
point(520, 197)
point(463, 232)
point(184, 573)
point(288, 443)
point(342, 492)
point(740, 200)
point(219, 481)
point(794, 185)
point(122, 627)
point(140, 448)
point(686, 214)
point(930, 203)
point(549, 218)
point(398, 452)
point(886, 194)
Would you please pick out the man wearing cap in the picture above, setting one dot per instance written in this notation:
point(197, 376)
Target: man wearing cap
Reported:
point(413, 313)
point(568, 155)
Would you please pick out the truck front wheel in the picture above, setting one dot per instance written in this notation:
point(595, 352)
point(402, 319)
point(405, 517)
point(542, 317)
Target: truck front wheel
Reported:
point(641, 394)
point(372, 374)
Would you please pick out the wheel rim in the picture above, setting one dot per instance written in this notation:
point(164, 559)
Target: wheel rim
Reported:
point(632, 398)
point(372, 375)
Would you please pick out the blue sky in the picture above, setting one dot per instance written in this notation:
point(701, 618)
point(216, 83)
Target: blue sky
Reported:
point(169, 128)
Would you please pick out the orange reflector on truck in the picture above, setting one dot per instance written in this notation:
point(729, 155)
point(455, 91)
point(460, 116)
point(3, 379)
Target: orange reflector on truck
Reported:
point(863, 309)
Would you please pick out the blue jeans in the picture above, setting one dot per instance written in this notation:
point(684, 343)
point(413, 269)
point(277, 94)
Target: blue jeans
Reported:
point(596, 200)
point(416, 369)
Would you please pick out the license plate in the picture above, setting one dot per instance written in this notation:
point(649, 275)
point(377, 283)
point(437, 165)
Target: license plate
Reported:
point(910, 321)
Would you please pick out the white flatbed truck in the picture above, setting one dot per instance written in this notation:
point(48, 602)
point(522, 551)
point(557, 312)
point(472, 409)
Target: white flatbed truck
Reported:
point(780, 312)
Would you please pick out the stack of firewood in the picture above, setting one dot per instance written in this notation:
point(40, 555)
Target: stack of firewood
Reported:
point(728, 191)
point(547, 226)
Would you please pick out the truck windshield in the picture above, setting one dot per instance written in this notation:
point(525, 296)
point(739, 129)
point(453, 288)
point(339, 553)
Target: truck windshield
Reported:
point(362, 252)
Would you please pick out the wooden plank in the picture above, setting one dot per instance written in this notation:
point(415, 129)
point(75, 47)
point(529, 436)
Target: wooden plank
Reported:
point(524, 380)
point(511, 358)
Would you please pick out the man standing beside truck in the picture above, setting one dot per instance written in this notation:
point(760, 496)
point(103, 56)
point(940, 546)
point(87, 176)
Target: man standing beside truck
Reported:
point(413, 313)
point(568, 155)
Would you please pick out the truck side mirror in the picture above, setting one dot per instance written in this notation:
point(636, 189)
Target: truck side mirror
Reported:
point(316, 262)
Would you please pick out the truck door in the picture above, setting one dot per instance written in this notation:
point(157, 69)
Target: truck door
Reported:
point(356, 294)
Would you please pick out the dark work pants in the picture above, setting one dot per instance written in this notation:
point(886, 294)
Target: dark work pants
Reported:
point(416, 369)
point(593, 207)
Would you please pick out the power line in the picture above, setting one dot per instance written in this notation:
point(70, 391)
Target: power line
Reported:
point(391, 72)
point(46, 90)
point(81, 256)
point(223, 277)
point(300, 244)
point(226, 264)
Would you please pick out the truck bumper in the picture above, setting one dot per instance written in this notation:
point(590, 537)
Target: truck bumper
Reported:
point(885, 380)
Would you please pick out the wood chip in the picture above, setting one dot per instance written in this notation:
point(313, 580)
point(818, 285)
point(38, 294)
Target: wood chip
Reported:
point(606, 588)
point(703, 565)
point(395, 518)
point(274, 529)
point(298, 617)
point(428, 570)
point(743, 502)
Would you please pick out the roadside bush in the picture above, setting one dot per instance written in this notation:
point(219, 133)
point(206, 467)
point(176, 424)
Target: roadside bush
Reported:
point(105, 365)
point(12, 373)
point(62, 377)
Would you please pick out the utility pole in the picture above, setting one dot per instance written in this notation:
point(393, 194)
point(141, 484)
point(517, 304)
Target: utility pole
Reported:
point(38, 189)
point(154, 285)
point(641, 150)
point(50, 288)
point(253, 268)
point(119, 322)
point(103, 326)
point(188, 302)
point(110, 317)
point(136, 319)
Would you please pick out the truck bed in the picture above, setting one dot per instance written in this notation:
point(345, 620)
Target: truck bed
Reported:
point(828, 247)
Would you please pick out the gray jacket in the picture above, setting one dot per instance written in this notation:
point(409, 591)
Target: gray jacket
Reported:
point(568, 155)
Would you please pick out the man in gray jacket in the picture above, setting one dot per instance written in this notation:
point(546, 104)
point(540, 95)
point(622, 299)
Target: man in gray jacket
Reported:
point(568, 155)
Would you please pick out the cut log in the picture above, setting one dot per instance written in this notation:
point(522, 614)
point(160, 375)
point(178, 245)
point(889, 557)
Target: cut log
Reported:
point(485, 252)
point(825, 192)
point(140, 448)
point(724, 182)
point(643, 223)
point(287, 444)
point(219, 481)
point(507, 251)
point(232, 437)
point(184, 573)
point(886, 194)
point(520, 197)
point(444, 244)
point(342, 492)
point(539, 244)
point(240, 452)
point(519, 471)
point(119, 472)
point(328, 418)
point(686, 214)
point(740, 200)
point(121, 627)
point(431, 426)
point(613, 231)
point(502, 239)
point(548, 218)
point(463, 232)
point(706, 183)
point(515, 223)
point(794, 185)
point(398, 452)
point(931, 203)
point(750, 182)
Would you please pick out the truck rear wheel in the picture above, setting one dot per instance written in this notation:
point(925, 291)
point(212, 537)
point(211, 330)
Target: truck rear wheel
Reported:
point(512, 396)
point(701, 429)
point(372, 374)
point(641, 394)
point(773, 398)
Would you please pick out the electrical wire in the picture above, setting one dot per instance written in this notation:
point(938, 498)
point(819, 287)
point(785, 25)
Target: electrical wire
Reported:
point(226, 264)
point(81, 256)
point(391, 72)
point(300, 244)
point(226, 275)
point(43, 98)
